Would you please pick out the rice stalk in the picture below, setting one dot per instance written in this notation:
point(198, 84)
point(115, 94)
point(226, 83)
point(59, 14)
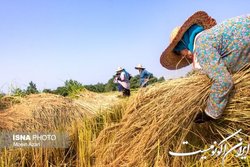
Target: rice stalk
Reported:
point(163, 115)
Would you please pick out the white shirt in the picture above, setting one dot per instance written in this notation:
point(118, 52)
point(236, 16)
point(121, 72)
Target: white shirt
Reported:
point(196, 65)
point(124, 82)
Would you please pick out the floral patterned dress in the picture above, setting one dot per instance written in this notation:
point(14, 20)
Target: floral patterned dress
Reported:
point(221, 51)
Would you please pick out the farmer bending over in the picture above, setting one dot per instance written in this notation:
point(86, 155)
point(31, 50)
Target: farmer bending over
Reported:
point(219, 50)
point(144, 75)
point(122, 79)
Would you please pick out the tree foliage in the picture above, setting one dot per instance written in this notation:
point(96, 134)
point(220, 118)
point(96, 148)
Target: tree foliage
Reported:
point(70, 88)
point(99, 87)
point(73, 87)
point(135, 82)
point(18, 92)
point(111, 86)
point(31, 89)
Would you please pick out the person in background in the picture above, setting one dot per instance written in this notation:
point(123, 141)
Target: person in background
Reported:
point(122, 78)
point(144, 75)
point(218, 49)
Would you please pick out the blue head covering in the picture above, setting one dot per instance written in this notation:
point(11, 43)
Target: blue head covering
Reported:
point(187, 41)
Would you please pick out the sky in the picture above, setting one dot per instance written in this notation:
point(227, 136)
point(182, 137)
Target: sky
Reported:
point(51, 41)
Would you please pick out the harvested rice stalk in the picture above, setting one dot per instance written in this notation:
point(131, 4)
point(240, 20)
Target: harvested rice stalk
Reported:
point(40, 112)
point(161, 118)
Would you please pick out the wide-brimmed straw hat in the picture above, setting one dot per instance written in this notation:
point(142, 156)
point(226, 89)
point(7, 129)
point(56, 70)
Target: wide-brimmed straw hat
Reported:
point(119, 69)
point(139, 66)
point(169, 59)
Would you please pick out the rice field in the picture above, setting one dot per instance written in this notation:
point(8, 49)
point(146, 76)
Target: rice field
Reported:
point(140, 130)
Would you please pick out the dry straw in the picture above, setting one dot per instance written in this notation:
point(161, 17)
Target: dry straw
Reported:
point(49, 111)
point(81, 118)
point(158, 119)
point(40, 112)
point(93, 102)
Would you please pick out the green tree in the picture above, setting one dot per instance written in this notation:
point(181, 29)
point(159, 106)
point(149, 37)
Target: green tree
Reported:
point(18, 92)
point(31, 89)
point(48, 91)
point(161, 79)
point(73, 86)
point(100, 87)
point(61, 91)
point(135, 82)
point(70, 88)
point(90, 88)
point(110, 86)
point(152, 80)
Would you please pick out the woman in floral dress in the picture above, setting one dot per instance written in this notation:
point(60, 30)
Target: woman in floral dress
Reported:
point(219, 50)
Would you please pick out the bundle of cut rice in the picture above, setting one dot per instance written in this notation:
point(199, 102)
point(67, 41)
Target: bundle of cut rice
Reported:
point(40, 112)
point(160, 118)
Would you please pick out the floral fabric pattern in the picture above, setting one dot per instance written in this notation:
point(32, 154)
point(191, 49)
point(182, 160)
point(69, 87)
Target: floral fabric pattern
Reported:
point(221, 51)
